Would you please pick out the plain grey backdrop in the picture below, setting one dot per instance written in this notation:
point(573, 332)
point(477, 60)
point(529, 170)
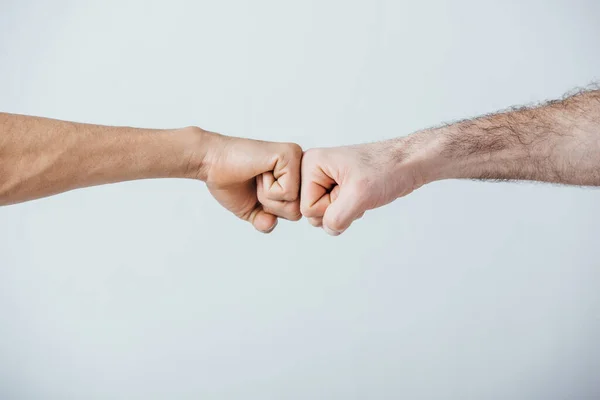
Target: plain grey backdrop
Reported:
point(149, 290)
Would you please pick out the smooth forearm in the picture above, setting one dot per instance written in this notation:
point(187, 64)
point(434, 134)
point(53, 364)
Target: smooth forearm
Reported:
point(558, 142)
point(40, 157)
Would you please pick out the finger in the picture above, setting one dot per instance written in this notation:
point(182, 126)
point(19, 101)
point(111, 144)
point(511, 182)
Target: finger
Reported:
point(315, 189)
point(283, 183)
point(316, 221)
point(289, 210)
point(318, 209)
point(337, 233)
point(340, 214)
point(284, 188)
point(262, 220)
point(335, 193)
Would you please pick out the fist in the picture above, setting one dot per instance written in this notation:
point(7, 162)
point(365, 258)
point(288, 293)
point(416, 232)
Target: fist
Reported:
point(339, 184)
point(257, 181)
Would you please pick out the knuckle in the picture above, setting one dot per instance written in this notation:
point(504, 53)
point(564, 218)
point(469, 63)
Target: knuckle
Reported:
point(269, 210)
point(316, 222)
point(310, 152)
point(311, 155)
point(295, 150)
point(291, 152)
point(290, 195)
point(293, 209)
point(307, 211)
point(336, 223)
point(283, 193)
point(261, 196)
point(295, 217)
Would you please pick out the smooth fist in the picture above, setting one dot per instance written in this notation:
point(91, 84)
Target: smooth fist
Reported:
point(257, 181)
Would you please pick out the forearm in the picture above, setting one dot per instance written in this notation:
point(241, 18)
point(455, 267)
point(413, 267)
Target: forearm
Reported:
point(40, 157)
point(558, 142)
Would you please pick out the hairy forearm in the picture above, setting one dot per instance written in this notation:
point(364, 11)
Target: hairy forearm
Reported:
point(41, 157)
point(557, 142)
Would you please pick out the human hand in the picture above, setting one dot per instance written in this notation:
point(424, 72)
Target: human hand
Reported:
point(339, 184)
point(257, 181)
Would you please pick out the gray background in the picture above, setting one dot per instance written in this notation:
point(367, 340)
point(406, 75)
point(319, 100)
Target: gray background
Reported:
point(143, 290)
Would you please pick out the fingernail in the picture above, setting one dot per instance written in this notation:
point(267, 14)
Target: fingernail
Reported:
point(273, 227)
point(331, 231)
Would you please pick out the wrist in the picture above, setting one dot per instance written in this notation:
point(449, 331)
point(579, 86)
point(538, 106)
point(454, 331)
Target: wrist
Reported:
point(419, 156)
point(200, 146)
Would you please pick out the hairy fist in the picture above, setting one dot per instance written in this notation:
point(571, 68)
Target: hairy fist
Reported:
point(339, 184)
point(257, 181)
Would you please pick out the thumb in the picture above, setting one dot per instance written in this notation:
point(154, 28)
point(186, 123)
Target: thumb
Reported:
point(341, 212)
point(262, 220)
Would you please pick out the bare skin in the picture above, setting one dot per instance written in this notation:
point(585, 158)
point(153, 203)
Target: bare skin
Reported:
point(257, 181)
point(558, 142)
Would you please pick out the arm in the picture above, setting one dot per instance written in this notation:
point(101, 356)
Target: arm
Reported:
point(557, 142)
point(40, 157)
